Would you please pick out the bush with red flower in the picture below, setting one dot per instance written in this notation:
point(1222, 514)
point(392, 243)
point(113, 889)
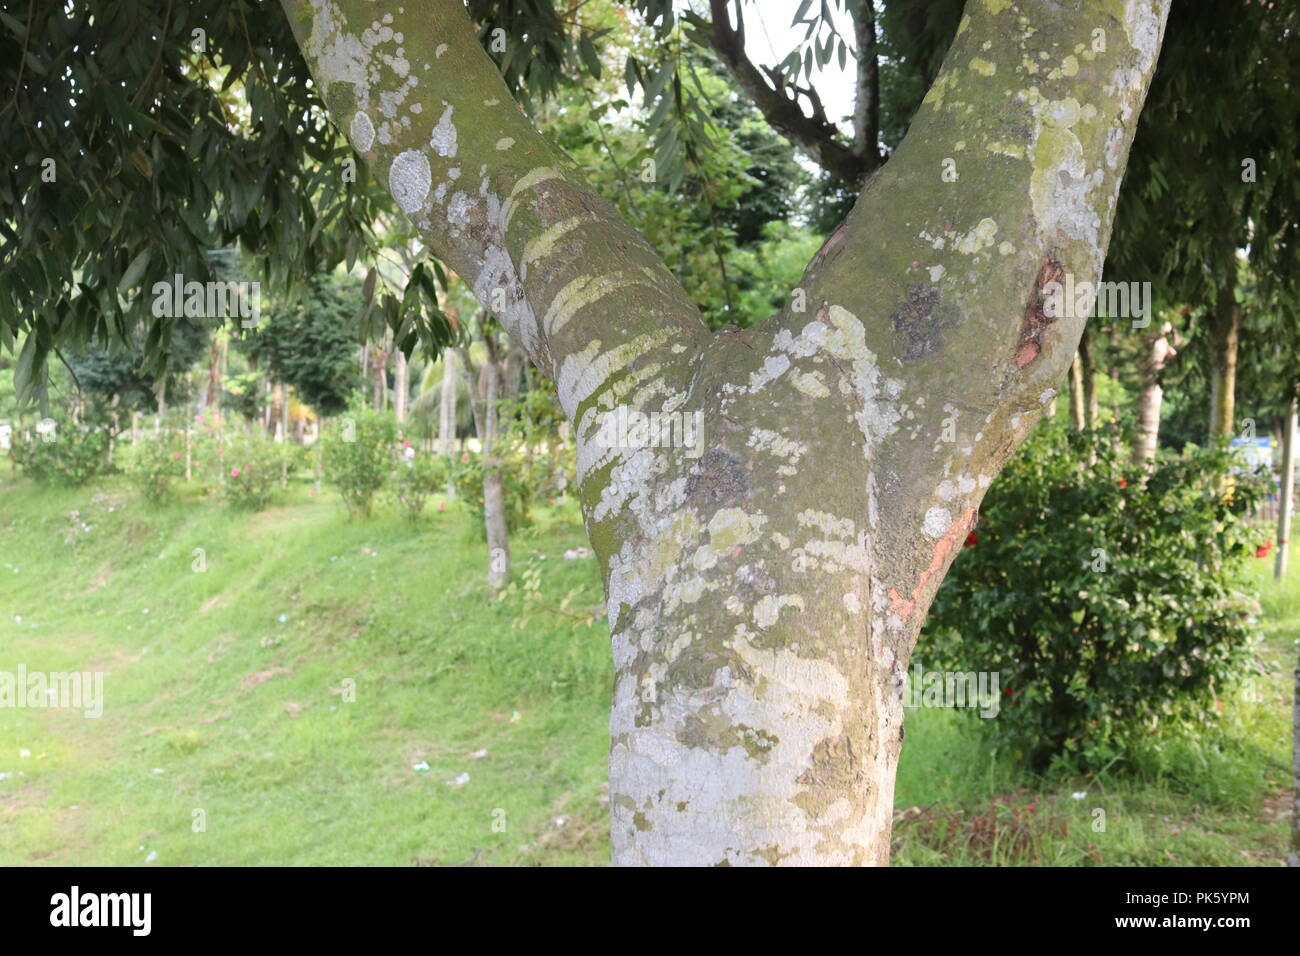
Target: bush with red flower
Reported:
point(155, 461)
point(251, 467)
point(1108, 597)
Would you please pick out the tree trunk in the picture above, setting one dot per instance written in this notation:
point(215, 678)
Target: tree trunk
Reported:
point(1286, 490)
point(486, 422)
point(213, 398)
point(1088, 370)
point(1159, 351)
point(115, 420)
point(1077, 403)
point(379, 397)
point(1224, 327)
point(447, 404)
point(400, 387)
point(366, 376)
point(1293, 859)
point(767, 569)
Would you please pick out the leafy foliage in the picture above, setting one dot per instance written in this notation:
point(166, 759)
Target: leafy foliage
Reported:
point(1105, 603)
point(310, 344)
point(153, 463)
point(72, 456)
point(139, 137)
point(412, 482)
point(358, 456)
point(252, 466)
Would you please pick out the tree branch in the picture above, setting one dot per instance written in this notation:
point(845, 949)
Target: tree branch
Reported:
point(934, 289)
point(423, 103)
point(815, 135)
point(866, 106)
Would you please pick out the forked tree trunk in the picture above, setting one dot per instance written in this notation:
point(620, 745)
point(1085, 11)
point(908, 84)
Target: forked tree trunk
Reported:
point(766, 582)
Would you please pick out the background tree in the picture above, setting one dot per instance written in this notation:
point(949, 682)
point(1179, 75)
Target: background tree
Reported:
point(309, 344)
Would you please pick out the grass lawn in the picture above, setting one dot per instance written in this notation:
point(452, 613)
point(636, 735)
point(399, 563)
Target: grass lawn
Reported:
point(281, 705)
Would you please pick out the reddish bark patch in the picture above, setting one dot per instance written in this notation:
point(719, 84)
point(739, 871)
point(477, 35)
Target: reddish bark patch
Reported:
point(1036, 318)
point(944, 547)
point(833, 240)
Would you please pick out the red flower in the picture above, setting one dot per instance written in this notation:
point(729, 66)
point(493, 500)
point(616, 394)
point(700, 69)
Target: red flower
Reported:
point(234, 472)
point(464, 457)
point(1123, 482)
point(176, 454)
point(972, 539)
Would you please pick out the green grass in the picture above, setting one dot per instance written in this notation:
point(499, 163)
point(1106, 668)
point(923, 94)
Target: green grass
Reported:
point(246, 717)
point(240, 712)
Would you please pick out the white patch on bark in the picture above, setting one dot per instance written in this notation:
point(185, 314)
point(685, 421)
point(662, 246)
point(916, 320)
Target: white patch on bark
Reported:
point(443, 139)
point(768, 609)
point(362, 131)
point(937, 522)
point(409, 179)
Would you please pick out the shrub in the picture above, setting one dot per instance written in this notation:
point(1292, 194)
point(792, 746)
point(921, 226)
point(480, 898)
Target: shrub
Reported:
point(1104, 601)
point(358, 456)
point(413, 481)
point(251, 467)
point(154, 462)
point(72, 456)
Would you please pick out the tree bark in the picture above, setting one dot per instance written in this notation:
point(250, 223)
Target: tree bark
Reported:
point(1158, 353)
point(1224, 328)
point(1088, 367)
point(494, 384)
point(400, 387)
point(1286, 490)
point(379, 376)
point(367, 378)
point(213, 398)
point(447, 404)
point(766, 581)
point(1293, 859)
point(866, 93)
point(1077, 404)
